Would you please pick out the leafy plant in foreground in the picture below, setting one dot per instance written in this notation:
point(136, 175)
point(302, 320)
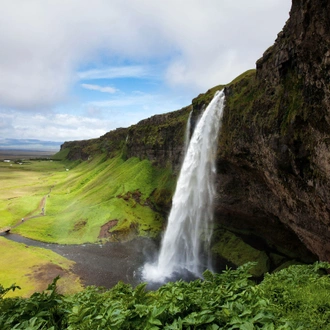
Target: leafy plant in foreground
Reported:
point(43, 310)
point(291, 299)
point(4, 291)
point(300, 295)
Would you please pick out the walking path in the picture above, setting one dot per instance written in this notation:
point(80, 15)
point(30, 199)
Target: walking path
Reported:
point(42, 208)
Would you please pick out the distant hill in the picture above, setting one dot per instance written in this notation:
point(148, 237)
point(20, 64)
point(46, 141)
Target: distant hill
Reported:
point(29, 145)
point(14, 154)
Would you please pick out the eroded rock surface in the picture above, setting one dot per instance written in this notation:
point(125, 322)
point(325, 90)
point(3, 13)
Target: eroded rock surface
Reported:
point(274, 155)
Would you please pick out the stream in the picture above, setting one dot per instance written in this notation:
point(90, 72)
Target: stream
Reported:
point(103, 265)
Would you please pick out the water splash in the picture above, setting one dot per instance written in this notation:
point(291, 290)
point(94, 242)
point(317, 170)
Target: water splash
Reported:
point(189, 228)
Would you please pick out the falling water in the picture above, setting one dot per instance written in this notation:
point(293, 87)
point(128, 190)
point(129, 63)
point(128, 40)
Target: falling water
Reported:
point(189, 228)
point(187, 135)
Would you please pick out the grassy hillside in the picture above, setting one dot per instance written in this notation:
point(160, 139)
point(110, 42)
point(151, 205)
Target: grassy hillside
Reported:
point(22, 188)
point(81, 197)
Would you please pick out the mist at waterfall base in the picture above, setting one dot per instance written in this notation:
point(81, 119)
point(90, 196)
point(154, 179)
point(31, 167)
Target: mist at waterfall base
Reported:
point(185, 248)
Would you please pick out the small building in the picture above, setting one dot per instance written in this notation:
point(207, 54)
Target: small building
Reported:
point(6, 161)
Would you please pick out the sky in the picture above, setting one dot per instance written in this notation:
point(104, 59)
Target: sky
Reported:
point(76, 69)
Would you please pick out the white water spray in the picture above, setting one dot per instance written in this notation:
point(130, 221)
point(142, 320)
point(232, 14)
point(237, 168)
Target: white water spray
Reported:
point(189, 228)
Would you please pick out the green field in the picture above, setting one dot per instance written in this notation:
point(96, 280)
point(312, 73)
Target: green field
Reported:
point(80, 197)
point(34, 268)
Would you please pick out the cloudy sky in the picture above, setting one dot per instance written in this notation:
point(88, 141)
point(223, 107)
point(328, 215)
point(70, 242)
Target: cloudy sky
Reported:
point(76, 69)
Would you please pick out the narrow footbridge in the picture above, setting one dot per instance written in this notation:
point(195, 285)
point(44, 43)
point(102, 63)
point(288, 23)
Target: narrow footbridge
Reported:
point(5, 230)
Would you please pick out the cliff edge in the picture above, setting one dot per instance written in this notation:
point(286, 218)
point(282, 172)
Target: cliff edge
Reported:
point(274, 151)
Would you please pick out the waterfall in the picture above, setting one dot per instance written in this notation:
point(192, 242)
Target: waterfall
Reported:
point(189, 227)
point(187, 135)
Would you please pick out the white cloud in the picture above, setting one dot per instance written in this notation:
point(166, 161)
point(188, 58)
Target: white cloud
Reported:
point(203, 42)
point(53, 127)
point(50, 47)
point(130, 109)
point(219, 39)
point(132, 71)
point(100, 118)
point(136, 98)
point(103, 89)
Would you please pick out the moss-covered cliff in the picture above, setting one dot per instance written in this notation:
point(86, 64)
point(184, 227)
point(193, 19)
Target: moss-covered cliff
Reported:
point(274, 156)
point(159, 139)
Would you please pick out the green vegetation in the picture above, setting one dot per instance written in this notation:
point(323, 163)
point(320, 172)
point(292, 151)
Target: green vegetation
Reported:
point(290, 101)
point(157, 134)
point(22, 188)
point(291, 299)
point(238, 117)
point(33, 268)
point(205, 98)
point(62, 154)
point(234, 249)
point(251, 107)
point(81, 197)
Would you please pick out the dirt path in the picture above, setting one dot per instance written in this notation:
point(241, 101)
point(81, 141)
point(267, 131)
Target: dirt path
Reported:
point(41, 207)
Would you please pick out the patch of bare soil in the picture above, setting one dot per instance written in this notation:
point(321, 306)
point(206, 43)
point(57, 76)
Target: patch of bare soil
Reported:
point(104, 232)
point(46, 273)
point(79, 225)
point(137, 197)
point(42, 202)
point(125, 234)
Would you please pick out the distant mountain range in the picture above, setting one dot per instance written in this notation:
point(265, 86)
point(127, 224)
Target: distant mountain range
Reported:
point(29, 145)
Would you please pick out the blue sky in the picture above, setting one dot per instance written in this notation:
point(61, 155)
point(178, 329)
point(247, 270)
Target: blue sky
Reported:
point(76, 69)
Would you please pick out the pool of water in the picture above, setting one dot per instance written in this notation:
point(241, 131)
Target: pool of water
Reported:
point(106, 264)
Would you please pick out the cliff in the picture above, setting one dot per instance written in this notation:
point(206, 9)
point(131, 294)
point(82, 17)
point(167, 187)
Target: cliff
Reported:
point(274, 156)
point(273, 182)
point(159, 139)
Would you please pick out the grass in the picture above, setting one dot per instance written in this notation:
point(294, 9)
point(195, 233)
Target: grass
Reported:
point(23, 265)
point(22, 188)
point(233, 249)
point(61, 154)
point(83, 196)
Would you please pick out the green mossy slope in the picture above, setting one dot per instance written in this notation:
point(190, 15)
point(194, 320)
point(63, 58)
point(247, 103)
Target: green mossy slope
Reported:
point(81, 197)
point(235, 250)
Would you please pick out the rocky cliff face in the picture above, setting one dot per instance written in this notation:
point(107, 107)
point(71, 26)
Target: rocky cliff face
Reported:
point(159, 139)
point(274, 151)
